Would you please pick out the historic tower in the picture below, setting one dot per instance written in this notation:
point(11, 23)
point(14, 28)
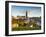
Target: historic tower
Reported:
point(26, 14)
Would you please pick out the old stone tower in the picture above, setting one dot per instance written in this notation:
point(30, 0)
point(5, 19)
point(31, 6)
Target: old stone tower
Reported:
point(26, 14)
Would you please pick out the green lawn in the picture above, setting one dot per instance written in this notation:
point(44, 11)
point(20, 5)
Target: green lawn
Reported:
point(25, 28)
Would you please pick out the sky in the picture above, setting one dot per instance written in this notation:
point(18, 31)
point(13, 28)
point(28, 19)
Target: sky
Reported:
point(21, 11)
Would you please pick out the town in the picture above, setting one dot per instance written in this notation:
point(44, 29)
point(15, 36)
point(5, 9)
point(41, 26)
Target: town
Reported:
point(25, 23)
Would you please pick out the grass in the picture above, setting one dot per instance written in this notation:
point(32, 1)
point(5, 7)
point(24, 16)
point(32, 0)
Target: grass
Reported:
point(25, 28)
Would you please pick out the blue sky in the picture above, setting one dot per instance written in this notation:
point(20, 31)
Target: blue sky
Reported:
point(21, 11)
